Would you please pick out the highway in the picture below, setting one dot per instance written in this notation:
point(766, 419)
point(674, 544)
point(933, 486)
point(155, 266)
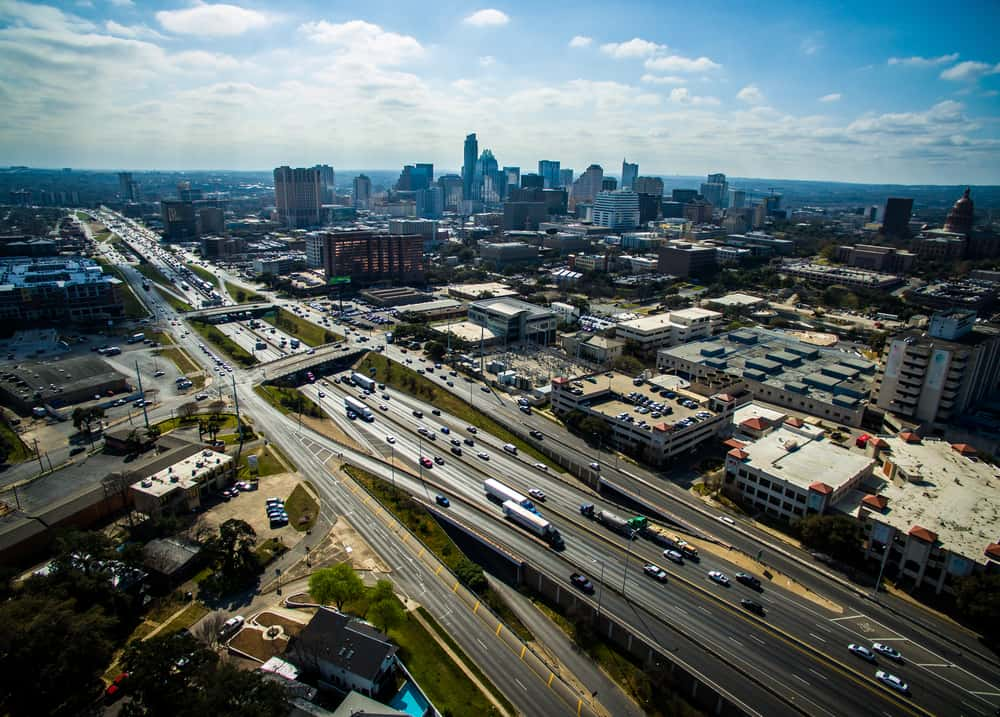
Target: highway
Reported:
point(798, 651)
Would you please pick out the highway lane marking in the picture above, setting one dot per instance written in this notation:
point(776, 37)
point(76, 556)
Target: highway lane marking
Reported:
point(804, 682)
point(819, 675)
point(813, 634)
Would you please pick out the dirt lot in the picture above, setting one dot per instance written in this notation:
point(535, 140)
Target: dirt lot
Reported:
point(251, 508)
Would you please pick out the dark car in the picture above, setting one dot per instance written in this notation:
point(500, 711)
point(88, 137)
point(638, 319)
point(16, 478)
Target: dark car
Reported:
point(752, 606)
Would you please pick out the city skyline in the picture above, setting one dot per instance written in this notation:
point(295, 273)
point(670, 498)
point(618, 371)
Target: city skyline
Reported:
point(863, 94)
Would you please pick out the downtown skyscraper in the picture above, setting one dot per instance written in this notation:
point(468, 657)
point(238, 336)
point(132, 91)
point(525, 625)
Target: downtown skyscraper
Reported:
point(469, 167)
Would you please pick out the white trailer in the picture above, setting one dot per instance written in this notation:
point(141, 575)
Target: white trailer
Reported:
point(501, 493)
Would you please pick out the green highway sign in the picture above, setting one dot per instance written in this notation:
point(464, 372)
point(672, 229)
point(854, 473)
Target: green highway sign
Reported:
point(336, 280)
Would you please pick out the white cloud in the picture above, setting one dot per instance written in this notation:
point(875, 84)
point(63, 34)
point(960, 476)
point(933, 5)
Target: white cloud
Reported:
point(580, 41)
point(917, 61)
point(662, 79)
point(219, 20)
point(636, 47)
point(752, 95)
point(133, 31)
point(487, 61)
point(122, 3)
point(364, 40)
point(487, 18)
point(970, 70)
point(812, 44)
point(676, 63)
point(832, 97)
point(681, 96)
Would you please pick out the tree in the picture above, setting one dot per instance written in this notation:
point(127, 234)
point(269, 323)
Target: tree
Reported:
point(337, 585)
point(84, 418)
point(838, 535)
point(434, 350)
point(51, 655)
point(386, 614)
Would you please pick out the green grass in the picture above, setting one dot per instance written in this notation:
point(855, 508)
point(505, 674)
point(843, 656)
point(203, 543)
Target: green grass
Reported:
point(409, 381)
point(300, 504)
point(153, 274)
point(225, 344)
point(471, 665)
point(19, 452)
point(241, 295)
point(270, 550)
point(176, 304)
point(302, 329)
point(133, 307)
point(205, 274)
point(431, 534)
point(289, 400)
point(447, 686)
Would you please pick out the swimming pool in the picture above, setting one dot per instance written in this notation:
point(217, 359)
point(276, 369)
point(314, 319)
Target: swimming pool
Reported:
point(409, 700)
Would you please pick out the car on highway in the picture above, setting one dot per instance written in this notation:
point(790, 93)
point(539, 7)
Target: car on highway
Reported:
point(390, 439)
point(863, 652)
point(536, 494)
point(484, 455)
point(655, 571)
point(752, 606)
point(442, 501)
point(892, 681)
point(718, 577)
point(749, 580)
point(426, 462)
point(674, 556)
point(890, 652)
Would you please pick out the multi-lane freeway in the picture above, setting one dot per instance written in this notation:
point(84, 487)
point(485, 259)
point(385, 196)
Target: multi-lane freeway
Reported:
point(796, 654)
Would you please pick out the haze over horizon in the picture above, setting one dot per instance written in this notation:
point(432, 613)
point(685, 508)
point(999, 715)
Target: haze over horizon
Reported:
point(893, 94)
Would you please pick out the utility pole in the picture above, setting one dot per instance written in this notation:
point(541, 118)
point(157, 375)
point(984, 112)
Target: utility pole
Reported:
point(142, 394)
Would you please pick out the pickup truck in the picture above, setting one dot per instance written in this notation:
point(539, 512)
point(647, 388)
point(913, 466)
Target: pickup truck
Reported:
point(581, 582)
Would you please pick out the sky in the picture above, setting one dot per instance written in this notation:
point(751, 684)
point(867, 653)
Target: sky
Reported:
point(884, 92)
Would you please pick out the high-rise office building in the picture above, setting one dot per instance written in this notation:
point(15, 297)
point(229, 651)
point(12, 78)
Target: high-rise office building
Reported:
point(532, 181)
point(648, 185)
point(368, 257)
point(512, 177)
point(362, 192)
point(469, 168)
point(549, 169)
point(629, 172)
point(127, 187)
point(617, 210)
point(587, 185)
point(716, 190)
point(298, 195)
point(451, 189)
point(896, 220)
point(326, 176)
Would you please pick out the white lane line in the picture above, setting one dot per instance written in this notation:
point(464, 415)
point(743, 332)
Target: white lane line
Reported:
point(520, 684)
point(756, 639)
point(819, 675)
point(804, 682)
point(814, 635)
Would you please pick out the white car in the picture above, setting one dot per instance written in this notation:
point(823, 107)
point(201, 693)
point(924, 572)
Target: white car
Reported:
point(892, 681)
point(890, 652)
point(718, 577)
point(390, 439)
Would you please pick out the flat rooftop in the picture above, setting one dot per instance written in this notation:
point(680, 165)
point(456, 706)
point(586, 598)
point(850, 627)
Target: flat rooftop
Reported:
point(954, 495)
point(812, 459)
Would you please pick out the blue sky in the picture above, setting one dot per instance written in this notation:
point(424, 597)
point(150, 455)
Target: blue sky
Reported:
point(849, 91)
